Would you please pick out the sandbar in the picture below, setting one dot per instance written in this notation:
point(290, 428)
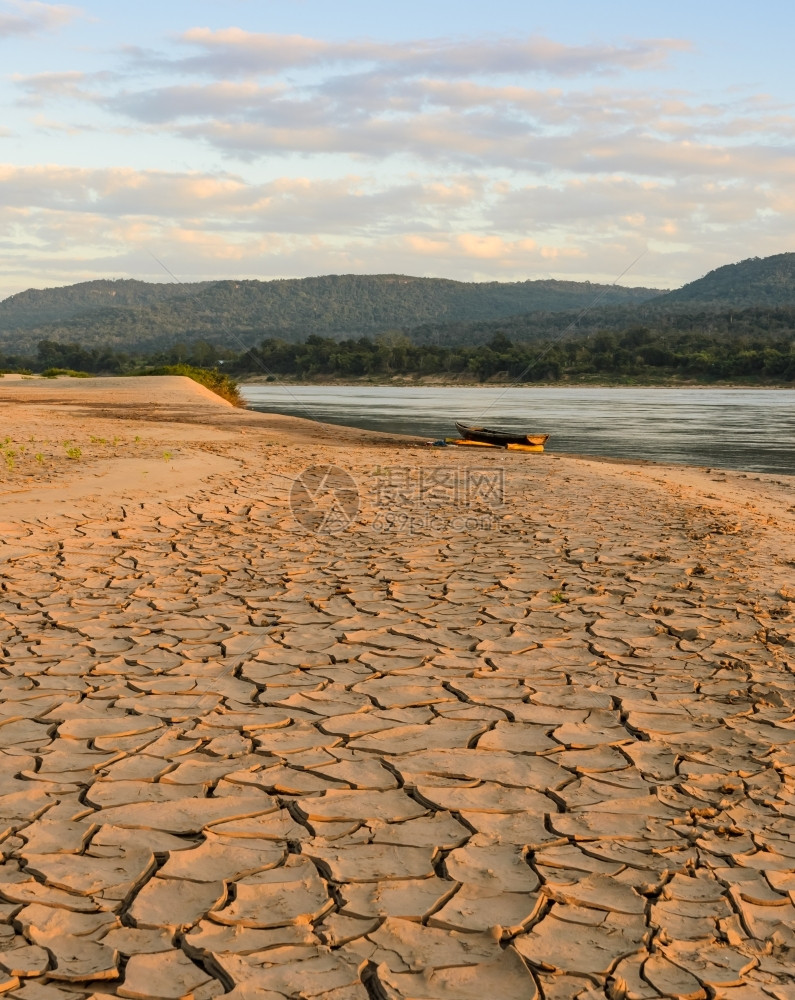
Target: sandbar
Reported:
point(291, 710)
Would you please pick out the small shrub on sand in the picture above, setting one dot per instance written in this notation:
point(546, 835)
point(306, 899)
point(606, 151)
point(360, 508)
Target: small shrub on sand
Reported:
point(220, 383)
point(55, 372)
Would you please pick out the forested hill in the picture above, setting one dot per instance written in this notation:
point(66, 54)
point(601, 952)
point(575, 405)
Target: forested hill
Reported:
point(124, 315)
point(40, 306)
point(137, 317)
point(758, 281)
point(676, 319)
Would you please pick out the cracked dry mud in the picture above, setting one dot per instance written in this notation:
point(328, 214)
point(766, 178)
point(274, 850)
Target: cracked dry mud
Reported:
point(551, 756)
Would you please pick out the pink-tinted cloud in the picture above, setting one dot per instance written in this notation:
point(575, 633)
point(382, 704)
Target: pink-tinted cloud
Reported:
point(225, 202)
point(501, 157)
point(65, 220)
point(443, 120)
point(26, 17)
point(234, 52)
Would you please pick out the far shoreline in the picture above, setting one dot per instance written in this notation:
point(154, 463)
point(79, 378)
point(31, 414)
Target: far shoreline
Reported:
point(421, 382)
point(433, 382)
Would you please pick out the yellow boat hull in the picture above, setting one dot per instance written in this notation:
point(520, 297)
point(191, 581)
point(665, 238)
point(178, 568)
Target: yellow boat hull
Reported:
point(463, 443)
point(469, 444)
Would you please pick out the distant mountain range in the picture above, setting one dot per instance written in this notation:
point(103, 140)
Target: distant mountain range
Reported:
point(128, 315)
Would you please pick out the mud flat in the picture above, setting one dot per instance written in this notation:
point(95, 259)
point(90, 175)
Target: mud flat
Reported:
point(437, 724)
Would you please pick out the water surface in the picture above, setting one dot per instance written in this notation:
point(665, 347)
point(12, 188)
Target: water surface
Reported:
point(750, 429)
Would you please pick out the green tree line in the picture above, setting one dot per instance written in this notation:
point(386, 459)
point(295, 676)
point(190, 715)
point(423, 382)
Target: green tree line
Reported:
point(638, 353)
point(635, 353)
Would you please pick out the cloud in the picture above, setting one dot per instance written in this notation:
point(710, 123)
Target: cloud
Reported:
point(379, 113)
point(471, 246)
point(72, 85)
point(481, 139)
point(294, 206)
point(694, 210)
point(64, 221)
point(495, 158)
point(25, 17)
point(234, 52)
point(175, 103)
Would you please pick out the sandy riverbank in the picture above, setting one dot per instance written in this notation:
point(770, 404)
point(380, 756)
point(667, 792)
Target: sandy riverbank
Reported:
point(522, 728)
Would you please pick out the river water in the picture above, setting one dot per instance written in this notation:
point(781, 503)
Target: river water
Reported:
point(749, 429)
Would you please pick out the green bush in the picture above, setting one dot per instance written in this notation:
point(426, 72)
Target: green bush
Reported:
point(55, 372)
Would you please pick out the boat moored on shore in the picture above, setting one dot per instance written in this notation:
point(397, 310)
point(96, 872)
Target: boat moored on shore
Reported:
point(500, 439)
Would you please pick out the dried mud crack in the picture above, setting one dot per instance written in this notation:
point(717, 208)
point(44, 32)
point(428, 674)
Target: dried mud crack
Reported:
point(549, 758)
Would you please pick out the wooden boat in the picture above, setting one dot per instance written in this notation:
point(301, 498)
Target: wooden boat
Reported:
point(500, 439)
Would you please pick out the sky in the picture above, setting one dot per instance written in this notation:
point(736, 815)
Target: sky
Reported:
point(500, 141)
